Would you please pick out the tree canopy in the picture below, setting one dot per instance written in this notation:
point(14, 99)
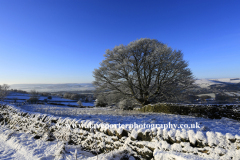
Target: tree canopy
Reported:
point(145, 70)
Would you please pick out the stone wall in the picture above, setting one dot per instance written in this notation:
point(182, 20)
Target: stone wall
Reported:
point(212, 111)
point(139, 143)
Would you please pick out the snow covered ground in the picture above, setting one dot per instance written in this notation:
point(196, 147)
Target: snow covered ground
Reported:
point(22, 146)
point(22, 97)
point(15, 145)
point(116, 116)
point(207, 82)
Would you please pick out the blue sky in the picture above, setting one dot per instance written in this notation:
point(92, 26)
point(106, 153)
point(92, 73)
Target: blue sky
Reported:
point(56, 41)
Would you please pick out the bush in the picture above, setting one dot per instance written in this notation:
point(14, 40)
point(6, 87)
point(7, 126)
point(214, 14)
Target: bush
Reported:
point(126, 104)
point(101, 101)
point(223, 98)
point(208, 111)
point(32, 100)
point(79, 103)
point(75, 97)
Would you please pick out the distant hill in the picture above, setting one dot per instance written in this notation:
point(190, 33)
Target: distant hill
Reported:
point(204, 83)
point(54, 87)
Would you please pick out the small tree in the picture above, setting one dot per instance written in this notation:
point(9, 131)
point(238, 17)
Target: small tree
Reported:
point(67, 95)
point(4, 91)
point(75, 96)
point(86, 99)
point(100, 101)
point(34, 96)
point(79, 103)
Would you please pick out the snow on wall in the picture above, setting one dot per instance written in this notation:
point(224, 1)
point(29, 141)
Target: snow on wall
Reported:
point(140, 143)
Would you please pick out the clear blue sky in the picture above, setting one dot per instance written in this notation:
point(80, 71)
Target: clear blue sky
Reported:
point(56, 41)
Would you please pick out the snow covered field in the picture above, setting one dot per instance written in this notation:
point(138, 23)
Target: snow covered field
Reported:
point(22, 97)
point(16, 145)
point(116, 116)
point(24, 146)
point(207, 82)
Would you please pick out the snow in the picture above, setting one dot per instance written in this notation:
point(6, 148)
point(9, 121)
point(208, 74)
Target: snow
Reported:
point(176, 147)
point(184, 134)
point(172, 134)
point(178, 135)
point(163, 155)
point(200, 136)
point(191, 136)
point(231, 94)
point(229, 136)
point(22, 146)
point(134, 134)
point(165, 146)
point(22, 97)
point(218, 141)
point(116, 116)
point(165, 133)
point(207, 82)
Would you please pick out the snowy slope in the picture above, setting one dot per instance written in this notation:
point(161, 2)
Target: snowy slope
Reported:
point(207, 82)
point(22, 146)
point(218, 145)
point(54, 87)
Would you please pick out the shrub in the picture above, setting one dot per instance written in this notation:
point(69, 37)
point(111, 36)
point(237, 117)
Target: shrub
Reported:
point(79, 103)
point(101, 101)
point(126, 104)
point(32, 100)
point(208, 111)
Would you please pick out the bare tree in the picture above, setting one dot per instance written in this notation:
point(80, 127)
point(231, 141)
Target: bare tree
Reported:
point(34, 96)
point(145, 70)
point(4, 91)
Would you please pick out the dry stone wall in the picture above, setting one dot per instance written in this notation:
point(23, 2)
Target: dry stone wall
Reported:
point(142, 144)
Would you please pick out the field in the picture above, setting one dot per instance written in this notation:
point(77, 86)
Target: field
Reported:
point(116, 116)
point(22, 145)
point(22, 97)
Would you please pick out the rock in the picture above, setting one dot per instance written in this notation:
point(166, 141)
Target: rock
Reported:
point(144, 137)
